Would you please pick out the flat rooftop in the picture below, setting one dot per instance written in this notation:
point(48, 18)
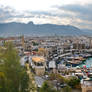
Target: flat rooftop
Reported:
point(38, 59)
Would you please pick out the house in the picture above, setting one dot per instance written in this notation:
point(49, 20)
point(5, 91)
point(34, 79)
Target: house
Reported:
point(38, 63)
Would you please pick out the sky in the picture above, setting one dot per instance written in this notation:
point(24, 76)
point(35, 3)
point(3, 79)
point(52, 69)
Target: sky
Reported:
point(62, 12)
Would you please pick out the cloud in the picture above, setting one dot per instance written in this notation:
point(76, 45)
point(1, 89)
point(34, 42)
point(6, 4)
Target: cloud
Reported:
point(81, 11)
point(8, 15)
point(5, 13)
point(80, 14)
point(71, 14)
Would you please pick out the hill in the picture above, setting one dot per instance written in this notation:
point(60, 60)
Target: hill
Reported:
point(13, 28)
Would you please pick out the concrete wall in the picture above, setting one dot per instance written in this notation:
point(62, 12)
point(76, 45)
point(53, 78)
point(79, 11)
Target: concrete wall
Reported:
point(39, 71)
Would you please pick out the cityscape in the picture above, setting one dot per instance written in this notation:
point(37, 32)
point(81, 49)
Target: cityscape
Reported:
point(45, 46)
point(55, 59)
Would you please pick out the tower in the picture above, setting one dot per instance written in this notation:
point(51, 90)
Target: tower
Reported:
point(23, 41)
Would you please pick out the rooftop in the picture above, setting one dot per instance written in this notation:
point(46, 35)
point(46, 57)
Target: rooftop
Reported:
point(38, 59)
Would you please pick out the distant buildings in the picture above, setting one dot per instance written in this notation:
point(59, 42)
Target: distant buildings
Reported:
point(51, 54)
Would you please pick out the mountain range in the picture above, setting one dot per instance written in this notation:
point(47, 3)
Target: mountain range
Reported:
point(31, 29)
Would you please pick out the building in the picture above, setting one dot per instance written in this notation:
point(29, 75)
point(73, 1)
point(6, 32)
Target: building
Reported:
point(38, 64)
point(86, 85)
point(52, 66)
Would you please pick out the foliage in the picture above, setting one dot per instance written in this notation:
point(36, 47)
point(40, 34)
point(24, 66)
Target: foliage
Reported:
point(15, 77)
point(73, 82)
point(35, 43)
point(66, 89)
point(47, 88)
point(2, 82)
point(57, 77)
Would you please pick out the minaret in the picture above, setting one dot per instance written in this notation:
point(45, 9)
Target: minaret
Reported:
point(23, 41)
point(90, 40)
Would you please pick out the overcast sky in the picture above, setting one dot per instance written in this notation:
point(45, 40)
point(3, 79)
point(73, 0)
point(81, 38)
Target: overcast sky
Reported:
point(72, 12)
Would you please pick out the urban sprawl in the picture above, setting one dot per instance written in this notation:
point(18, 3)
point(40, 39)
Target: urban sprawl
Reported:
point(67, 56)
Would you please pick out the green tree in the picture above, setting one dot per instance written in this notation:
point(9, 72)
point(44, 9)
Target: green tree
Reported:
point(66, 89)
point(57, 77)
point(47, 87)
point(16, 78)
point(35, 43)
point(2, 83)
point(73, 82)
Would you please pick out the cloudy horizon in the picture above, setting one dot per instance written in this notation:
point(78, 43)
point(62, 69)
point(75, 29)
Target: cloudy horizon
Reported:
point(62, 12)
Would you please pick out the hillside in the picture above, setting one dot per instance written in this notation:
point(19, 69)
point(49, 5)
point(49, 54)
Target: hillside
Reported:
point(13, 28)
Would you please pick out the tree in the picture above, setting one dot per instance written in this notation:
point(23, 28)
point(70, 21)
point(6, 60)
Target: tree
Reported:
point(66, 89)
point(16, 78)
point(57, 77)
point(46, 87)
point(73, 82)
point(35, 43)
point(2, 82)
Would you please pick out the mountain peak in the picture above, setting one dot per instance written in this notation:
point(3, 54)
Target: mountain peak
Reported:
point(43, 29)
point(31, 23)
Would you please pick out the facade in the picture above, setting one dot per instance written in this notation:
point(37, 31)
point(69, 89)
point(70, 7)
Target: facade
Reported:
point(86, 85)
point(38, 64)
